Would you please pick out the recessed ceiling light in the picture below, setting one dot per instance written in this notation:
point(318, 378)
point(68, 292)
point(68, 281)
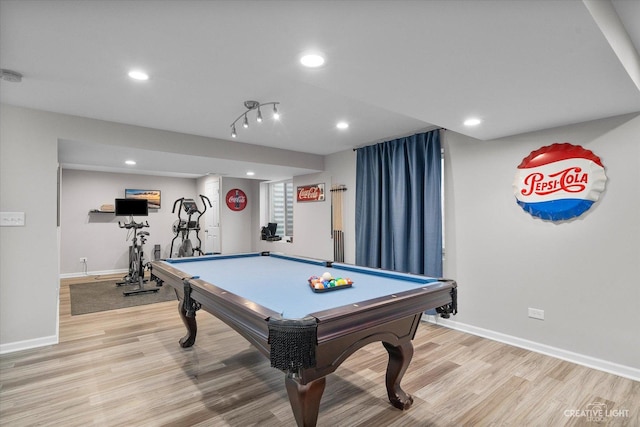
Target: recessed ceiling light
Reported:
point(342, 125)
point(250, 173)
point(312, 60)
point(138, 75)
point(130, 162)
point(472, 122)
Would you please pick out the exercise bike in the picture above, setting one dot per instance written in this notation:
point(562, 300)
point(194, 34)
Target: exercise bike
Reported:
point(182, 227)
point(135, 275)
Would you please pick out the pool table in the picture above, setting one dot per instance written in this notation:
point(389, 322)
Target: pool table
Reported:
point(307, 334)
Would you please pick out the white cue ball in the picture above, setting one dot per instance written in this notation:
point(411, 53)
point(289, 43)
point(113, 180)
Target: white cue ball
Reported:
point(326, 276)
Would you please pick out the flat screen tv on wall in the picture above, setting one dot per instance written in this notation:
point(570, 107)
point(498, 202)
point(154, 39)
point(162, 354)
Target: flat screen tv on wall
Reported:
point(131, 207)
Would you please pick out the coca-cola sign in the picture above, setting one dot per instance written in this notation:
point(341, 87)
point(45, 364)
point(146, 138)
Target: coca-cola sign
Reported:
point(236, 199)
point(559, 182)
point(310, 193)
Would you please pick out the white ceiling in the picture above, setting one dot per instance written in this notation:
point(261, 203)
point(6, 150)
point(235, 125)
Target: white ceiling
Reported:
point(393, 68)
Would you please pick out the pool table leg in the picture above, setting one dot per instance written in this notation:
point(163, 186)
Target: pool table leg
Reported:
point(305, 400)
point(191, 325)
point(399, 359)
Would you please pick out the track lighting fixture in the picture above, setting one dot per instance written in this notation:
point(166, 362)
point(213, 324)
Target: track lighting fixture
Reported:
point(253, 105)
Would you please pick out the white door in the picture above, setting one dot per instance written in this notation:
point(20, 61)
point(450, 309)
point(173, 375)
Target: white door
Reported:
point(212, 217)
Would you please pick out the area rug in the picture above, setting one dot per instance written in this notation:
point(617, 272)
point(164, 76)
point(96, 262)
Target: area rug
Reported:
point(105, 295)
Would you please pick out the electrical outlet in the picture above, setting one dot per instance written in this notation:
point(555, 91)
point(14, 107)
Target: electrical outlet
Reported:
point(83, 260)
point(536, 313)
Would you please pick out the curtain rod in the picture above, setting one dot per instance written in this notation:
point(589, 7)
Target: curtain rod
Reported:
point(429, 130)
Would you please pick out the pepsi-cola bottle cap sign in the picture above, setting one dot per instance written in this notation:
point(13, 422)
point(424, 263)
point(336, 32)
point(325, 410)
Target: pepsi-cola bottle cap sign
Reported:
point(559, 182)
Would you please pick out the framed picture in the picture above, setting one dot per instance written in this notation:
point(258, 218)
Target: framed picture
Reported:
point(151, 196)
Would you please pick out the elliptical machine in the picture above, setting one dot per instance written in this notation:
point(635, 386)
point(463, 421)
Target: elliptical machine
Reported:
point(183, 227)
point(135, 275)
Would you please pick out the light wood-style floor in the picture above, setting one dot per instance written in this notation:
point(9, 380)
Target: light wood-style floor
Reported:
point(125, 368)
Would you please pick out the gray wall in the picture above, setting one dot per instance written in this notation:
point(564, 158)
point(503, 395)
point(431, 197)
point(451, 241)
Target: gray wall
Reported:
point(238, 230)
point(311, 225)
point(28, 255)
point(96, 236)
point(583, 273)
point(341, 167)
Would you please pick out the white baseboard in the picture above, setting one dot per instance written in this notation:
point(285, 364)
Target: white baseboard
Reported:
point(91, 273)
point(28, 344)
point(580, 359)
point(53, 339)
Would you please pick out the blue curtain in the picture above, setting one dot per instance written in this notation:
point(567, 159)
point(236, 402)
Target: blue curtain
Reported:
point(398, 205)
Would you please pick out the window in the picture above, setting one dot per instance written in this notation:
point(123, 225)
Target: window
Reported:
point(280, 206)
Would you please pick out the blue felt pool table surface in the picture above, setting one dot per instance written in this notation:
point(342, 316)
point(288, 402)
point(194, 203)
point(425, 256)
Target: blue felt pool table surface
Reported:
point(280, 282)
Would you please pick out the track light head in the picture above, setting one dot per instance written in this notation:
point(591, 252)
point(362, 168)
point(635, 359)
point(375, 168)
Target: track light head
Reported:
point(245, 123)
point(276, 115)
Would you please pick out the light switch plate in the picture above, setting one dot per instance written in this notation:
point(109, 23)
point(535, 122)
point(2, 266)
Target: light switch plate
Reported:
point(11, 219)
